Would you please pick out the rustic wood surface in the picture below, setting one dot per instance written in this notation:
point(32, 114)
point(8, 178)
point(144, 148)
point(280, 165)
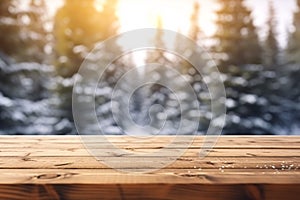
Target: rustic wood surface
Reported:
point(239, 167)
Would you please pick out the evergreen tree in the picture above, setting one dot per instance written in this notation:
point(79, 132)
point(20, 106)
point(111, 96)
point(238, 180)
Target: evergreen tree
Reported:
point(194, 34)
point(78, 27)
point(9, 29)
point(194, 23)
point(293, 49)
point(22, 32)
point(157, 55)
point(75, 35)
point(110, 22)
point(174, 85)
point(110, 27)
point(271, 44)
point(236, 37)
point(34, 33)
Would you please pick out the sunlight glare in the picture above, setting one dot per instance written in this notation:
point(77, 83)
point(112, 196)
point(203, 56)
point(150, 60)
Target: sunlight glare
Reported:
point(134, 14)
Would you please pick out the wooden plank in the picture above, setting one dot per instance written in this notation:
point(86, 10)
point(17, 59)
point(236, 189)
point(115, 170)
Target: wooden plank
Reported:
point(148, 145)
point(59, 167)
point(160, 139)
point(288, 163)
point(147, 152)
point(150, 191)
point(162, 176)
point(157, 142)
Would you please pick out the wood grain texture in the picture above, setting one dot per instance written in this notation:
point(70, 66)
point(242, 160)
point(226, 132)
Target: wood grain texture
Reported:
point(150, 191)
point(59, 167)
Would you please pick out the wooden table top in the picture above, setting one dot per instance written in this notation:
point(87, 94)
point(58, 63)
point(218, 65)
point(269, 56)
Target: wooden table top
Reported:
point(60, 167)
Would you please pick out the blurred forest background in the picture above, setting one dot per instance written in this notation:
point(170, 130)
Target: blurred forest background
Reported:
point(40, 54)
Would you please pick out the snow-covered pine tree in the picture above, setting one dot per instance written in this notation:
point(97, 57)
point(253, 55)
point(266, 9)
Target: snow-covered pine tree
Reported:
point(271, 43)
point(194, 23)
point(74, 34)
point(194, 34)
point(293, 48)
point(75, 37)
point(9, 29)
point(236, 38)
point(34, 33)
point(22, 31)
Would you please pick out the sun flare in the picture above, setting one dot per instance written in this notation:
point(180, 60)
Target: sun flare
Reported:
point(175, 15)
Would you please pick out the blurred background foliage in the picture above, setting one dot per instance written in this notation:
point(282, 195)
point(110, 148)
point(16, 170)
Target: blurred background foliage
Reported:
point(40, 55)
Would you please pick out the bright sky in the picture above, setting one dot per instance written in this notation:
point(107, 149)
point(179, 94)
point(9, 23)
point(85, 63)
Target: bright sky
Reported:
point(134, 14)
